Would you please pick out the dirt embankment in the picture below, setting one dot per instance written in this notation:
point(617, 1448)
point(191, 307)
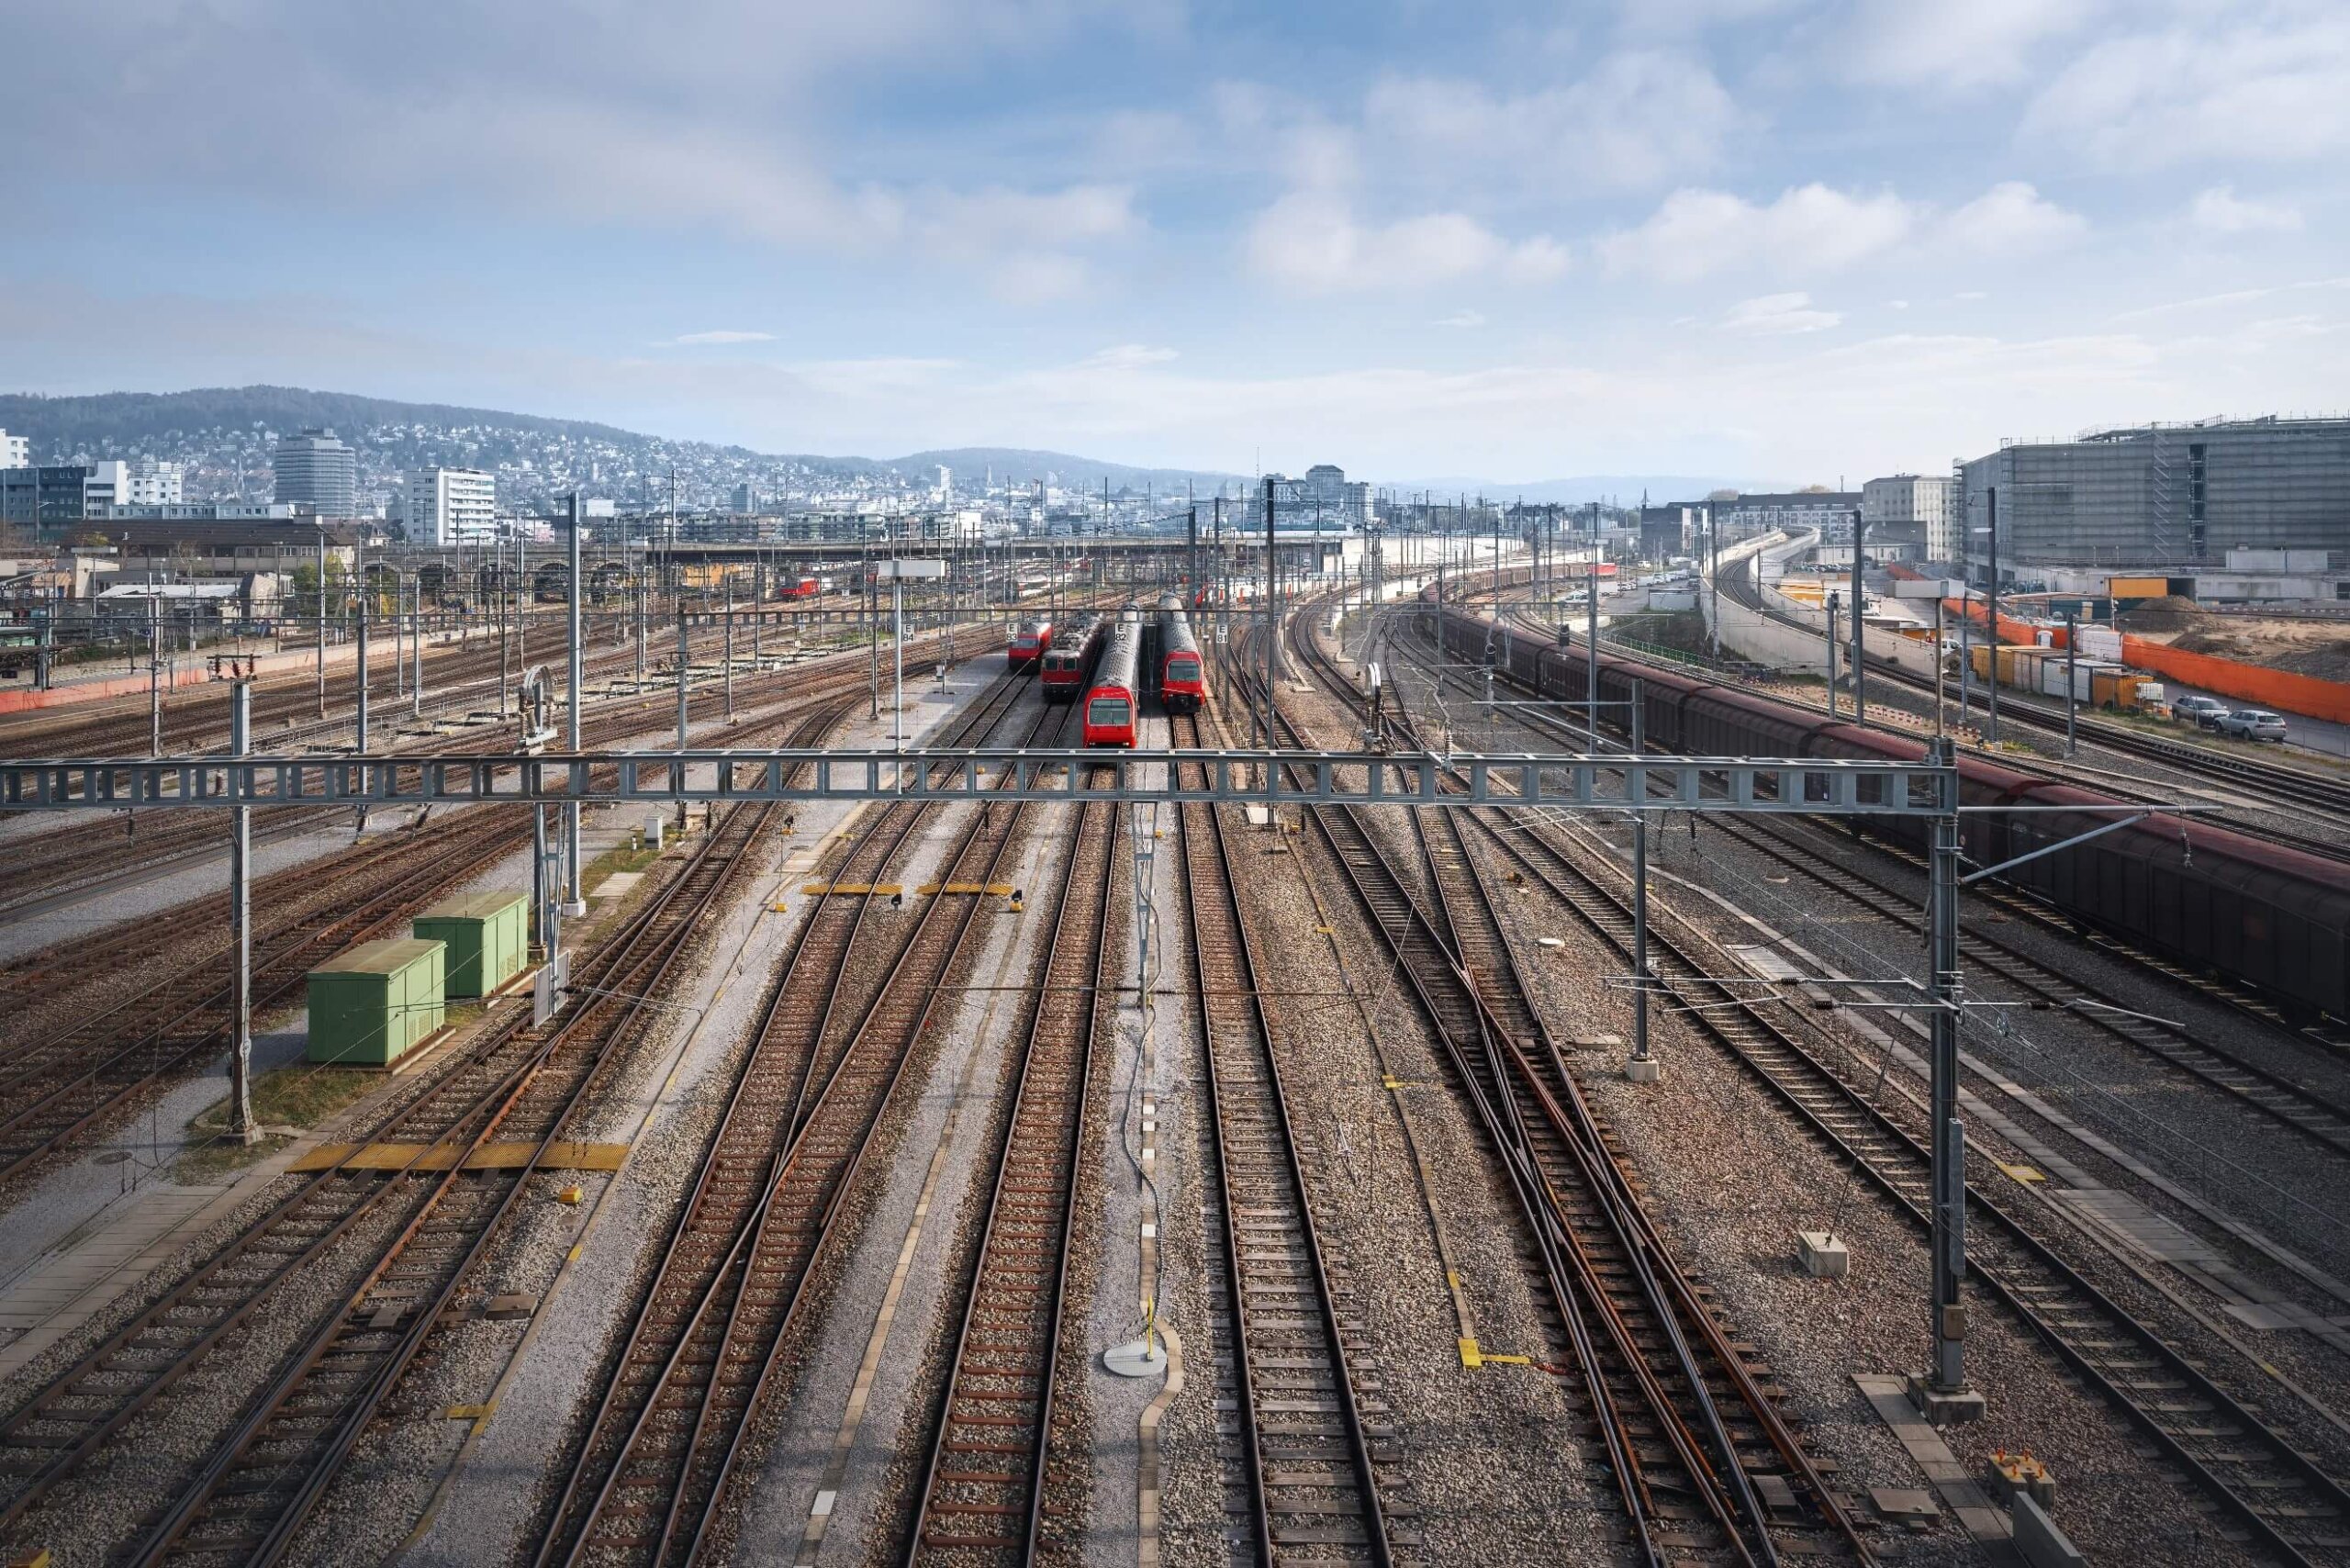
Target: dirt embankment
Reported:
point(2320, 648)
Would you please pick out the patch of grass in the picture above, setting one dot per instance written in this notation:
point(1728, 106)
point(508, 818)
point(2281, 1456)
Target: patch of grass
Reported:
point(632, 856)
point(288, 1100)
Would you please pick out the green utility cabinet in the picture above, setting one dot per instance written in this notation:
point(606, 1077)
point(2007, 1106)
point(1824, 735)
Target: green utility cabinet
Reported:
point(488, 936)
point(371, 1005)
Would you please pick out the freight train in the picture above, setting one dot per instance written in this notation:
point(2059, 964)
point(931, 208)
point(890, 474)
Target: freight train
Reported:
point(1068, 665)
point(2203, 896)
point(1175, 659)
point(1114, 699)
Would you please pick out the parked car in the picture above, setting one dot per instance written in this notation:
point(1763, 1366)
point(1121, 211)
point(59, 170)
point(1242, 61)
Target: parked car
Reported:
point(2253, 724)
point(2203, 711)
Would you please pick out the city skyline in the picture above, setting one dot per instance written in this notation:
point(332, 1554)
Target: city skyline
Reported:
point(1779, 239)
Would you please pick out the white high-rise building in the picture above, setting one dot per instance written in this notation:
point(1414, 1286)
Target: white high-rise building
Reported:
point(317, 469)
point(451, 506)
point(16, 450)
point(146, 482)
point(1912, 508)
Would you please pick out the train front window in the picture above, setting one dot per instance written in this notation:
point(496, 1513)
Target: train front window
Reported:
point(1183, 669)
point(1108, 713)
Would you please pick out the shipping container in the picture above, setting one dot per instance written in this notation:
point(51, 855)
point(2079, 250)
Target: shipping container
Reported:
point(373, 1005)
point(488, 936)
point(2137, 588)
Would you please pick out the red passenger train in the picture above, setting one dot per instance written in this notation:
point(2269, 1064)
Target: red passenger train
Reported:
point(1030, 639)
point(1114, 699)
point(1175, 660)
point(1063, 668)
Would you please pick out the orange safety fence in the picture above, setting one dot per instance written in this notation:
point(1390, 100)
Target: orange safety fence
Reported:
point(2282, 689)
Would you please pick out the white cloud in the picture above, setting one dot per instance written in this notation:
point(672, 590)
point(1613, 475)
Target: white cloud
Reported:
point(1778, 315)
point(2224, 83)
point(1696, 232)
point(1639, 119)
point(1815, 227)
point(721, 336)
point(2011, 217)
point(1461, 318)
point(1896, 305)
point(1954, 47)
point(2221, 211)
point(1131, 356)
point(1311, 240)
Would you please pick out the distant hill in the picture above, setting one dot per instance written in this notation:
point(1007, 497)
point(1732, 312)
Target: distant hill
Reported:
point(1083, 473)
point(1623, 489)
point(120, 419)
point(117, 421)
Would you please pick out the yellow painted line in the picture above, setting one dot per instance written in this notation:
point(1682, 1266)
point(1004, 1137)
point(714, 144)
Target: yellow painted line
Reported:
point(1493, 1360)
point(1470, 1357)
point(1391, 1081)
point(469, 1412)
point(1325, 931)
point(562, 1155)
point(2022, 1173)
point(994, 889)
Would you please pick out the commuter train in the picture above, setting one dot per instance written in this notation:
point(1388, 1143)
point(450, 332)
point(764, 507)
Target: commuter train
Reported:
point(2201, 896)
point(1114, 698)
point(1064, 667)
point(1030, 639)
point(1175, 659)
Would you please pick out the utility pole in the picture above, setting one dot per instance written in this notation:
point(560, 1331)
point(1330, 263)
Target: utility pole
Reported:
point(1272, 615)
point(683, 666)
point(1949, 1137)
point(1713, 576)
point(576, 901)
point(1830, 608)
point(155, 677)
point(1591, 646)
point(729, 637)
point(1991, 687)
point(241, 1128)
point(2072, 645)
point(416, 642)
point(1643, 1067)
point(322, 621)
point(1860, 625)
point(365, 607)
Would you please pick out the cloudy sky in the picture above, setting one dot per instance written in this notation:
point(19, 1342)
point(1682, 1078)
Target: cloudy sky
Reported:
point(1785, 238)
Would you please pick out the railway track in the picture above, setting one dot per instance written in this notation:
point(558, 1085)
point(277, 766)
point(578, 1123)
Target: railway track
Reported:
point(2319, 1116)
point(713, 1331)
point(2292, 1505)
point(59, 1087)
point(2173, 1393)
point(1309, 1444)
point(2325, 1040)
point(1702, 1459)
point(516, 1084)
point(982, 1491)
point(79, 858)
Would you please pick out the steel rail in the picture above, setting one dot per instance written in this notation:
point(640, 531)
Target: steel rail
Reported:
point(2027, 1274)
point(622, 1443)
point(2321, 1118)
point(1032, 1215)
point(1244, 1080)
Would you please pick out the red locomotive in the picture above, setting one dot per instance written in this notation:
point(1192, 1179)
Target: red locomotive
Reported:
point(1030, 641)
point(1114, 699)
point(1175, 660)
point(1064, 667)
